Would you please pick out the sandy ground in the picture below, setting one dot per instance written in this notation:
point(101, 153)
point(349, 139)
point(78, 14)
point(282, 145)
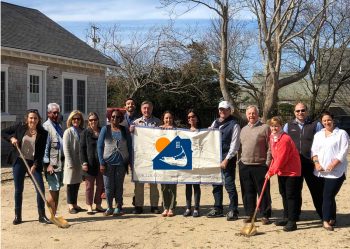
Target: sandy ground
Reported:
point(153, 231)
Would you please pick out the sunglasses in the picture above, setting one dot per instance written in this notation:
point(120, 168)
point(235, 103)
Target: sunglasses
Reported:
point(55, 113)
point(116, 116)
point(33, 111)
point(76, 119)
point(189, 117)
point(302, 110)
point(93, 120)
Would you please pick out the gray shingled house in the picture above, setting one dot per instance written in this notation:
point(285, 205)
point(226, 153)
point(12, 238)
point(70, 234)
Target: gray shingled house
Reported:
point(41, 62)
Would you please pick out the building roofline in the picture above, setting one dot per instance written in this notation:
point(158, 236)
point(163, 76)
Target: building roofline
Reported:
point(56, 58)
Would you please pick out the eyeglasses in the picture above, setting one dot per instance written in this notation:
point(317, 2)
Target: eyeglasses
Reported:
point(189, 117)
point(301, 110)
point(93, 120)
point(76, 119)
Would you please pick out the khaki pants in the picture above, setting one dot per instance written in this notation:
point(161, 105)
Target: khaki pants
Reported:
point(139, 194)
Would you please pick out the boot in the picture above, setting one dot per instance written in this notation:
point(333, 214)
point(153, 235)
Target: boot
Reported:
point(18, 216)
point(291, 226)
point(43, 218)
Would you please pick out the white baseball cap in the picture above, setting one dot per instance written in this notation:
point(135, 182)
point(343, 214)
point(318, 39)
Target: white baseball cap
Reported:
point(225, 104)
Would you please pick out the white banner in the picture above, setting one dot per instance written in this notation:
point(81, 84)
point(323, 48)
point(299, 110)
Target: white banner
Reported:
point(176, 156)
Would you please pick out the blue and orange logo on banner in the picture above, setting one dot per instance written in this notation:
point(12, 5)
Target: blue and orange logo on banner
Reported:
point(173, 155)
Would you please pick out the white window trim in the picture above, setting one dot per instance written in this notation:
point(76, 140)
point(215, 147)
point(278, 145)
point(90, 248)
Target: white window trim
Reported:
point(5, 68)
point(5, 116)
point(75, 77)
point(44, 81)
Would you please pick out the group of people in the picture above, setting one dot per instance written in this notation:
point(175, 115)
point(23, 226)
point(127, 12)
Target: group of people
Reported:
point(300, 149)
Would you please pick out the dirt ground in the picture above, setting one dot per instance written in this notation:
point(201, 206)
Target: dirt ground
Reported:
point(153, 231)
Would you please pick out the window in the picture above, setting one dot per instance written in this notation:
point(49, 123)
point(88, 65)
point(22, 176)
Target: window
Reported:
point(74, 92)
point(4, 88)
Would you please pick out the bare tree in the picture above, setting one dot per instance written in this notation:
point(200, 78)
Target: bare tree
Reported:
point(331, 69)
point(224, 9)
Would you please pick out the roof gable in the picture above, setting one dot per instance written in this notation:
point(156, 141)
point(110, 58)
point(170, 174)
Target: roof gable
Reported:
point(29, 29)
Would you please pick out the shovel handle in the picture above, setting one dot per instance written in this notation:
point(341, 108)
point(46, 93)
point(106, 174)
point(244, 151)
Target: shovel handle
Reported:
point(31, 175)
point(261, 194)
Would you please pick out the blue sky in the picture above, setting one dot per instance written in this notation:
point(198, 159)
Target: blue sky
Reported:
point(106, 10)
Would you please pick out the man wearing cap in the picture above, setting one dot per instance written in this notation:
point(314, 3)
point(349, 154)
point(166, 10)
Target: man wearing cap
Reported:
point(302, 130)
point(230, 132)
point(53, 157)
point(253, 165)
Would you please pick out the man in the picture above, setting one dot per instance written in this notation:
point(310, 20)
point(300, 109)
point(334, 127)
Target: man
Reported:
point(53, 158)
point(302, 130)
point(230, 131)
point(130, 114)
point(253, 165)
point(146, 120)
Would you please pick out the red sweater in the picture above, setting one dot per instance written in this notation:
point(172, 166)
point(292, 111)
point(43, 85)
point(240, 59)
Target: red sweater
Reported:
point(285, 157)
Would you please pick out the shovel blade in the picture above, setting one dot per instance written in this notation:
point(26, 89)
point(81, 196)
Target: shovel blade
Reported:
point(249, 230)
point(59, 221)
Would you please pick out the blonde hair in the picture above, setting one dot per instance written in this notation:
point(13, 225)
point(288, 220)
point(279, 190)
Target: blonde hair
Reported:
point(71, 115)
point(275, 121)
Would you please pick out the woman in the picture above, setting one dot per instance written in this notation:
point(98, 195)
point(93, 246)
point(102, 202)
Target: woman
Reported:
point(30, 137)
point(114, 148)
point(194, 124)
point(90, 163)
point(329, 150)
point(168, 190)
point(286, 164)
point(72, 173)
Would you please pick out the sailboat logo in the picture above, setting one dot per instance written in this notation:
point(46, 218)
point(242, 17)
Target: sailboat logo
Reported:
point(173, 155)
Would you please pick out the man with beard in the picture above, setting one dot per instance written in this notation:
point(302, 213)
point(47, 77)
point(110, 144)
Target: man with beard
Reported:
point(130, 114)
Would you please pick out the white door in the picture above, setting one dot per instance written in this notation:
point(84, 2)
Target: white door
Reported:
point(35, 91)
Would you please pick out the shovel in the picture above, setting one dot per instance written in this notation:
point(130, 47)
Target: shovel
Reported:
point(250, 229)
point(58, 221)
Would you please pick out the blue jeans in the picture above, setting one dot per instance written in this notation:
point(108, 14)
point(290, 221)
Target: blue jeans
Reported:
point(19, 172)
point(113, 179)
point(330, 190)
point(230, 186)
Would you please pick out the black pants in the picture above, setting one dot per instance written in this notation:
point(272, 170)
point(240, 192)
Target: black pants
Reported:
point(289, 188)
point(197, 195)
point(331, 189)
point(230, 186)
point(252, 178)
point(314, 183)
point(72, 193)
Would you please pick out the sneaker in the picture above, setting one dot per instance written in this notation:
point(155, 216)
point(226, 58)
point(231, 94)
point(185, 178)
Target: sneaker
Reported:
point(231, 215)
point(195, 213)
point(155, 210)
point(108, 212)
point(215, 213)
point(265, 221)
point(138, 210)
point(118, 212)
point(281, 222)
point(291, 226)
point(187, 213)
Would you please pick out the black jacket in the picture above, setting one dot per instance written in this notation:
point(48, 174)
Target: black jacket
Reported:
point(18, 131)
point(88, 151)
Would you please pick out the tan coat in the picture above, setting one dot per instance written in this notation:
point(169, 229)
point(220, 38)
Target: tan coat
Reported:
point(72, 173)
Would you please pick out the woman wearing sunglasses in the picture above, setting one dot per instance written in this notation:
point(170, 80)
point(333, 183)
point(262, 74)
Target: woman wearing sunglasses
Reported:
point(114, 148)
point(31, 138)
point(72, 173)
point(90, 163)
point(194, 124)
